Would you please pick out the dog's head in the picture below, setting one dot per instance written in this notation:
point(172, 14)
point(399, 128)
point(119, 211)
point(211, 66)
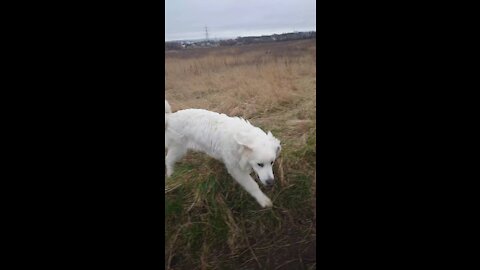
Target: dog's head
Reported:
point(259, 151)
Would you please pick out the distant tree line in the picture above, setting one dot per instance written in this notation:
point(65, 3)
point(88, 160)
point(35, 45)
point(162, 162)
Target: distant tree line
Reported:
point(178, 45)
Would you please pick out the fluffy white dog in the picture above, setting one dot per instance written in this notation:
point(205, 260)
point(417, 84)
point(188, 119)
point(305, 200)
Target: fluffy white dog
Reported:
point(242, 147)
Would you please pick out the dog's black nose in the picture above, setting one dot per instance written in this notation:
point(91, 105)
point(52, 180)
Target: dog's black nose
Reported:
point(269, 182)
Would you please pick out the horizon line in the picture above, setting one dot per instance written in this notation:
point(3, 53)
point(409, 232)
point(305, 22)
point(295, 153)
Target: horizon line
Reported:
point(217, 38)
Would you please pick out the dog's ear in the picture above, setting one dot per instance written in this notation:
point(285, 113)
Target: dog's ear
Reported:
point(244, 140)
point(276, 141)
point(271, 137)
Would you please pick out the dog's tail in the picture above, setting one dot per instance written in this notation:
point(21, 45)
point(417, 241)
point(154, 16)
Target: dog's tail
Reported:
point(168, 110)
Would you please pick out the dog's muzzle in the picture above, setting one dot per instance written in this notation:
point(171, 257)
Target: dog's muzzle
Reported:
point(269, 183)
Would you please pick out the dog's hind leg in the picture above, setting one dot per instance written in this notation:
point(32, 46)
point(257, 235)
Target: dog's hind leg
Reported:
point(246, 181)
point(174, 154)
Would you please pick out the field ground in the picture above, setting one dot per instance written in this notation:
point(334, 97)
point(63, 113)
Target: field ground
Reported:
point(210, 221)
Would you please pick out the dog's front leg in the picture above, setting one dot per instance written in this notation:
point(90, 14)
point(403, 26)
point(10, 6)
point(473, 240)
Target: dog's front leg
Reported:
point(246, 181)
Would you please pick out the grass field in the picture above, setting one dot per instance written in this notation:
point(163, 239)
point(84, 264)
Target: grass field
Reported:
point(210, 221)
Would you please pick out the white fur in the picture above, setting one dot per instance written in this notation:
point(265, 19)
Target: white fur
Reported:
point(234, 141)
point(168, 109)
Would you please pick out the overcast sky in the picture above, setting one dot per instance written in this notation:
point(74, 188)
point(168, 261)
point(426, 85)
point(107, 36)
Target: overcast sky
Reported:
point(186, 19)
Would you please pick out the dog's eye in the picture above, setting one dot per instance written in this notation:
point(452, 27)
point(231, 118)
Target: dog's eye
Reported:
point(272, 163)
point(260, 164)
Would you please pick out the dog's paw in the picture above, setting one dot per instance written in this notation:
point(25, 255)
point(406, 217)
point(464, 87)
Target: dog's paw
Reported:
point(266, 202)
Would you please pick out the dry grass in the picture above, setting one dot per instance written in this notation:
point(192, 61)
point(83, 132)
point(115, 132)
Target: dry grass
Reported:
point(211, 223)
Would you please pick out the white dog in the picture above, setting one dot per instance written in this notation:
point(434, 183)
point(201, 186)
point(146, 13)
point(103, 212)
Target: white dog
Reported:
point(242, 147)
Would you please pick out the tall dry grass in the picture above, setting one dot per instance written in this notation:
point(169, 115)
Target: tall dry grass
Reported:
point(242, 81)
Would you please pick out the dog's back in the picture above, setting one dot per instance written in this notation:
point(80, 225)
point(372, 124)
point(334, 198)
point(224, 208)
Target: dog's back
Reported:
point(205, 131)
